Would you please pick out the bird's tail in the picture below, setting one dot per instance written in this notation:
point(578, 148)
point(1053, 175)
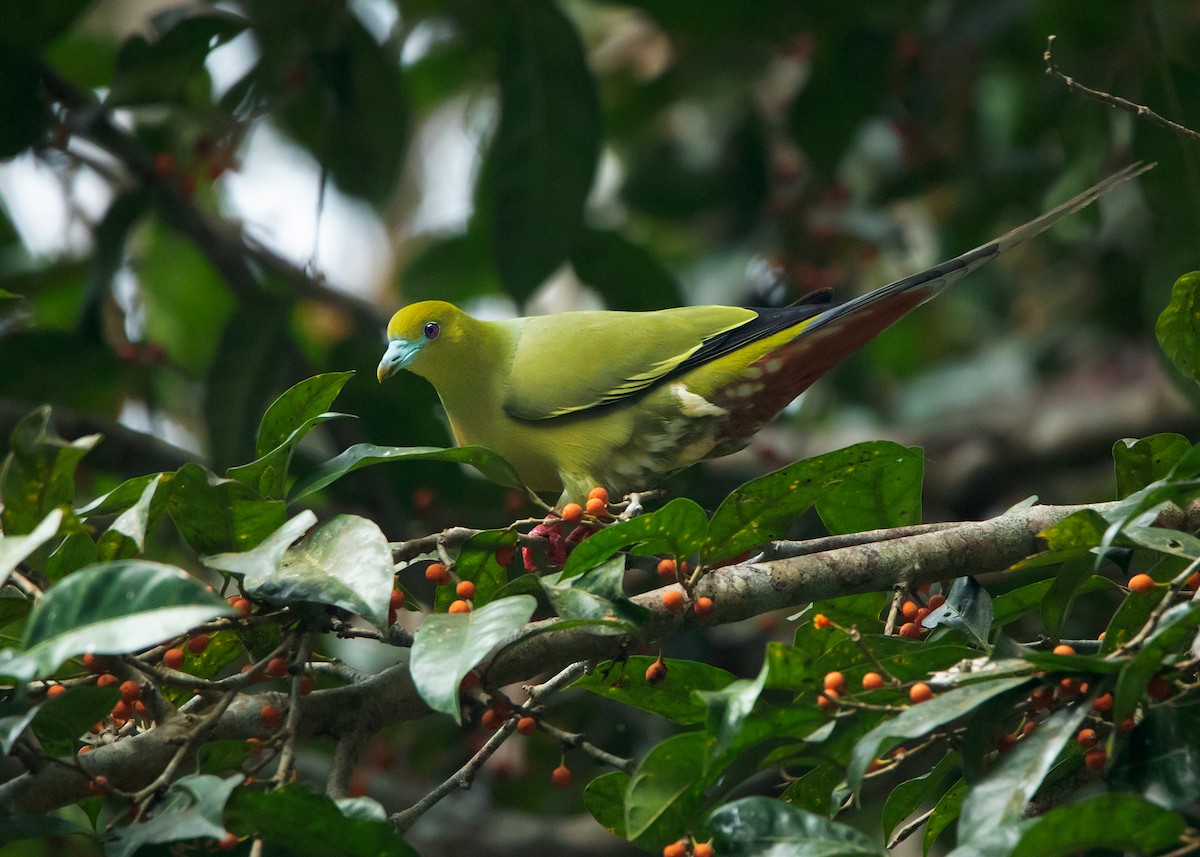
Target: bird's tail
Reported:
point(888, 303)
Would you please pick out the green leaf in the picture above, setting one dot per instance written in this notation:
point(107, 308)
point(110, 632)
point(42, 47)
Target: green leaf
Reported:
point(1161, 758)
point(1060, 591)
point(14, 549)
point(604, 798)
point(476, 562)
point(945, 812)
point(126, 536)
point(39, 472)
point(677, 528)
point(672, 699)
point(115, 608)
point(907, 660)
point(1140, 462)
point(217, 757)
point(490, 464)
point(813, 791)
point(762, 827)
point(921, 719)
point(346, 563)
point(72, 554)
point(26, 30)
point(628, 275)
point(448, 645)
point(538, 170)
point(1175, 629)
point(120, 498)
point(450, 267)
point(970, 609)
point(1162, 540)
point(267, 475)
point(765, 508)
point(597, 594)
point(909, 796)
point(15, 827)
point(296, 407)
point(887, 494)
point(1079, 530)
point(1178, 326)
point(171, 67)
point(61, 719)
point(992, 809)
point(665, 791)
point(191, 809)
point(215, 514)
point(1107, 822)
point(311, 825)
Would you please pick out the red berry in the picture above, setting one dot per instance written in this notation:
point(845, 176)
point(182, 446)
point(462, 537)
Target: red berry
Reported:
point(505, 556)
point(437, 574)
point(827, 701)
point(94, 664)
point(1006, 742)
point(197, 644)
point(920, 692)
point(396, 600)
point(911, 630)
point(164, 164)
point(306, 684)
point(572, 512)
point(703, 605)
point(1159, 688)
point(527, 725)
point(228, 843)
point(1087, 738)
point(469, 682)
point(1095, 759)
point(835, 681)
point(936, 601)
point(271, 716)
point(98, 785)
point(1141, 583)
point(241, 606)
point(55, 690)
point(666, 567)
point(106, 680)
point(656, 673)
point(872, 681)
point(122, 711)
point(1126, 725)
point(1029, 728)
point(277, 667)
point(1103, 703)
point(1043, 697)
point(821, 622)
point(922, 615)
point(459, 606)
point(141, 709)
point(130, 691)
point(561, 777)
point(491, 720)
point(673, 599)
point(465, 589)
point(1193, 582)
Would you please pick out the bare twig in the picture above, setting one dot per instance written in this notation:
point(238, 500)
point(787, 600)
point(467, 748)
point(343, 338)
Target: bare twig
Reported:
point(1139, 110)
point(346, 755)
point(291, 732)
point(199, 732)
point(578, 741)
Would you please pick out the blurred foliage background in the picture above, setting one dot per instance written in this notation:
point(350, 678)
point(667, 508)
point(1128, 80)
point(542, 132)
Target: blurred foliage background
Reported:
point(201, 204)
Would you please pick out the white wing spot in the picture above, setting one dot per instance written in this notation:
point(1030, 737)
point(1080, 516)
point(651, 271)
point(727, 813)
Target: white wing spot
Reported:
point(691, 405)
point(753, 373)
point(774, 364)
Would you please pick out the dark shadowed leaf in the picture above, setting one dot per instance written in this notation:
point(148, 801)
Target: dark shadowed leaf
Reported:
point(216, 514)
point(1174, 631)
point(1140, 462)
point(1178, 326)
point(604, 798)
point(61, 719)
point(1161, 759)
point(628, 276)
point(14, 549)
point(665, 791)
point(1109, 822)
point(813, 791)
point(911, 795)
point(971, 610)
point(448, 645)
point(39, 472)
point(626, 683)
point(192, 809)
point(598, 595)
point(762, 827)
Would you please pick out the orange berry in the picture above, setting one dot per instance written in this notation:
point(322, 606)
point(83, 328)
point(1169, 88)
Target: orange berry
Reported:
point(437, 574)
point(920, 692)
point(141, 709)
point(197, 644)
point(95, 664)
point(598, 493)
point(1063, 649)
point(597, 508)
point(1029, 728)
point(561, 777)
point(396, 599)
point(106, 680)
point(835, 681)
point(1193, 582)
point(505, 556)
point(676, 849)
point(1095, 758)
point(277, 667)
point(1141, 583)
point(491, 720)
point(86, 748)
point(936, 601)
point(1087, 738)
point(656, 673)
point(1159, 688)
point(465, 589)
point(872, 681)
point(1069, 687)
point(1103, 703)
point(910, 630)
point(1126, 725)
point(55, 690)
point(98, 785)
point(271, 716)
point(459, 606)
point(241, 606)
point(909, 610)
point(527, 725)
point(922, 615)
point(572, 512)
point(703, 605)
point(673, 599)
point(1101, 637)
point(1006, 742)
point(228, 843)
point(122, 711)
point(130, 691)
point(666, 567)
point(702, 849)
point(821, 622)
point(306, 684)
point(827, 701)
point(469, 682)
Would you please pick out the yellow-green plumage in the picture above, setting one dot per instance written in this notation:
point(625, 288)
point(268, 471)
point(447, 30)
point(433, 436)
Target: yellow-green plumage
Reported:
point(623, 400)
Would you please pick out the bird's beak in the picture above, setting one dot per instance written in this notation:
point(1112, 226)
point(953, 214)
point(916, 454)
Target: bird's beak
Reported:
point(399, 353)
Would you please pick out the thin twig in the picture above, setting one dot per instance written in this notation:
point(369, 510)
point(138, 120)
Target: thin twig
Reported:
point(291, 733)
point(24, 584)
point(577, 741)
point(346, 755)
point(199, 733)
point(1167, 602)
point(856, 636)
point(1139, 110)
point(782, 550)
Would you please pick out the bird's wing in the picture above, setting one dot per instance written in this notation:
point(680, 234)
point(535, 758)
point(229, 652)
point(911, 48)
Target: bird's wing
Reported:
point(571, 362)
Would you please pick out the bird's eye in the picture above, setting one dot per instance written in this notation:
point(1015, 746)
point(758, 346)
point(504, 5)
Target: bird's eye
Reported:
point(432, 329)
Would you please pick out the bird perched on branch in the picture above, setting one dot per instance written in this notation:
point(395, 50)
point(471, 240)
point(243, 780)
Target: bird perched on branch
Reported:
point(625, 399)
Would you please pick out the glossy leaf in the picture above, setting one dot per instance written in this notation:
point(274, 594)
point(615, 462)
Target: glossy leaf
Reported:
point(60, 720)
point(39, 472)
point(1175, 629)
point(945, 812)
point(115, 608)
point(970, 609)
point(1161, 758)
point(677, 528)
point(1178, 326)
point(813, 791)
point(484, 460)
point(1060, 592)
point(215, 514)
point(267, 475)
point(728, 709)
point(296, 407)
point(1141, 462)
point(448, 645)
point(604, 798)
point(762, 827)
point(1083, 529)
point(191, 809)
point(1108, 822)
point(626, 683)
point(1171, 542)
point(911, 795)
point(665, 791)
point(14, 549)
point(476, 562)
point(126, 536)
point(886, 494)
point(120, 498)
point(597, 595)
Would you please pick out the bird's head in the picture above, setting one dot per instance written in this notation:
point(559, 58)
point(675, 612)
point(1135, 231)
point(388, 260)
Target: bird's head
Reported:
point(420, 336)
